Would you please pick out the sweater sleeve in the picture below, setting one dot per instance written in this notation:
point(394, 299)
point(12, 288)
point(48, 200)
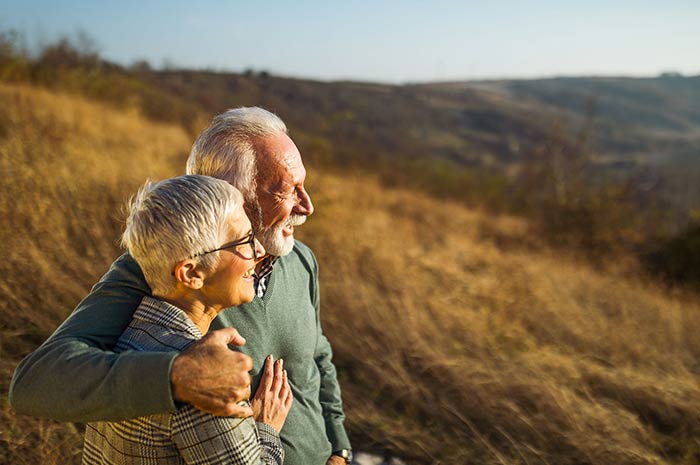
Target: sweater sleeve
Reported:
point(329, 395)
point(74, 376)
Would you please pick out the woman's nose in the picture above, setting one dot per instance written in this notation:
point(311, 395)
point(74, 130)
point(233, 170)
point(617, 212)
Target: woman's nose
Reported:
point(259, 249)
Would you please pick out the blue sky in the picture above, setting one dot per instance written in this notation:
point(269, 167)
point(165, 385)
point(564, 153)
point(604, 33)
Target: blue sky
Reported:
point(386, 41)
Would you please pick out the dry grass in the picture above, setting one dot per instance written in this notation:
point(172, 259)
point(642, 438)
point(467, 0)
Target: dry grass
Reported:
point(461, 352)
point(68, 166)
point(450, 349)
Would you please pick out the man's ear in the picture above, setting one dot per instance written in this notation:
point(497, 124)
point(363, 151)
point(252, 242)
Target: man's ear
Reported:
point(189, 273)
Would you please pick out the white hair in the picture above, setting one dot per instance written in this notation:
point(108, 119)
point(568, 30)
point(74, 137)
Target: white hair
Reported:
point(176, 219)
point(225, 149)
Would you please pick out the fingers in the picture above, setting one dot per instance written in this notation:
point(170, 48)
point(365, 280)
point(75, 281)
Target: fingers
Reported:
point(235, 365)
point(222, 406)
point(266, 378)
point(277, 382)
point(284, 389)
point(246, 362)
point(226, 336)
point(209, 375)
point(286, 394)
point(239, 394)
point(235, 410)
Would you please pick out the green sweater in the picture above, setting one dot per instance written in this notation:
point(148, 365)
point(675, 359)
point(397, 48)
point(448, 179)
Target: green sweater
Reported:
point(74, 376)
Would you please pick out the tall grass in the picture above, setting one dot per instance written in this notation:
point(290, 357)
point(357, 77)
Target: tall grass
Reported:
point(453, 350)
point(451, 347)
point(67, 167)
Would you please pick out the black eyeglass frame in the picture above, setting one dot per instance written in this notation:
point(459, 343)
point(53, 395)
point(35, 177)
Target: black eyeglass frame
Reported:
point(250, 239)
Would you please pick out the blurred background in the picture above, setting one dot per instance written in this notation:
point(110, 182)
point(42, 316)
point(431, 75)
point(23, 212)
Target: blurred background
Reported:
point(507, 195)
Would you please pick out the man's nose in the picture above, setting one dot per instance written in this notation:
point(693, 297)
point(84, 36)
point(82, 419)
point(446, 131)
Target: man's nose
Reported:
point(304, 206)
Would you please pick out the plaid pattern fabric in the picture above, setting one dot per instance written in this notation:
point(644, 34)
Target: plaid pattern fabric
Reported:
point(188, 436)
point(263, 277)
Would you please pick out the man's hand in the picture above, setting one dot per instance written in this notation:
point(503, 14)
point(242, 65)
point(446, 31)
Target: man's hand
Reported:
point(212, 377)
point(335, 460)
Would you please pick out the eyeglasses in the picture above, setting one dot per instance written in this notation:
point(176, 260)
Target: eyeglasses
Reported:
point(249, 239)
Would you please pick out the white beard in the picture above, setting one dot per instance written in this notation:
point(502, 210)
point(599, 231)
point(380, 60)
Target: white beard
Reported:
point(274, 240)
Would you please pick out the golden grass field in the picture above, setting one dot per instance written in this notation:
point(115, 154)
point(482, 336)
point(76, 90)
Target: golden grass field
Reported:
point(456, 343)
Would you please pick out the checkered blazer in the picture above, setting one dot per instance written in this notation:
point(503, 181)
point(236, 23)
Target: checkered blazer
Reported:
point(187, 436)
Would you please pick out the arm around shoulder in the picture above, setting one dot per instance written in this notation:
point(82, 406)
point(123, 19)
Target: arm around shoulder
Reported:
point(74, 376)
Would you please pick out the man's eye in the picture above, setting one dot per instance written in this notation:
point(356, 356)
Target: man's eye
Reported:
point(285, 196)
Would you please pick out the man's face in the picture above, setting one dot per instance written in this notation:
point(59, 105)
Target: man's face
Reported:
point(281, 195)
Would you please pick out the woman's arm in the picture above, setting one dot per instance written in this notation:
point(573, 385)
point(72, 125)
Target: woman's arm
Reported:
point(204, 438)
point(222, 440)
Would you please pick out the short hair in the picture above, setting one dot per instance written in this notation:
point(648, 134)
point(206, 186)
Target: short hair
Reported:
point(225, 149)
point(176, 219)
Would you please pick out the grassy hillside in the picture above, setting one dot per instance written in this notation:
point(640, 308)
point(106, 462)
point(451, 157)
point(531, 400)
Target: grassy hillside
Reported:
point(68, 165)
point(596, 165)
point(465, 140)
point(637, 119)
point(472, 123)
point(455, 342)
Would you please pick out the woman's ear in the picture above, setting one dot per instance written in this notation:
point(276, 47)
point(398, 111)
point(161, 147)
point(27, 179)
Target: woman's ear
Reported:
point(189, 274)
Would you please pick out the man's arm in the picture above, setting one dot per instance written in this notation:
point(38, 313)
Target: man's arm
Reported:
point(330, 397)
point(74, 376)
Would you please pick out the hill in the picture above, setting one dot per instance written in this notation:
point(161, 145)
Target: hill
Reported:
point(598, 166)
point(636, 119)
point(448, 328)
point(465, 140)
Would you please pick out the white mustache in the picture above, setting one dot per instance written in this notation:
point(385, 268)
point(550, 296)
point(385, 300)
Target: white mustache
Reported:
point(295, 220)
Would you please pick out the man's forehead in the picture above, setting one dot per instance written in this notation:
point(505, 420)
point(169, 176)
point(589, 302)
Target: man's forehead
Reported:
point(287, 157)
point(277, 148)
point(279, 163)
point(291, 170)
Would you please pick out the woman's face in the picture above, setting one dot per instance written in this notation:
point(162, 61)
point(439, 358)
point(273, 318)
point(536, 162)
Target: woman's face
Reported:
point(231, 283)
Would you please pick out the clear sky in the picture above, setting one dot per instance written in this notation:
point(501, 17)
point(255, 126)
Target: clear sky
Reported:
point(387, 41)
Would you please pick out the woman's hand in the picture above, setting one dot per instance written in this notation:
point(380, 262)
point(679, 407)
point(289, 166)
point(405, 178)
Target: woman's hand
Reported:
point(273, 399)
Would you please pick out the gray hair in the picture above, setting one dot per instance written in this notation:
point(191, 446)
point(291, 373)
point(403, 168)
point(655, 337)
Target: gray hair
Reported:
point(176, 219)
point(225, 149)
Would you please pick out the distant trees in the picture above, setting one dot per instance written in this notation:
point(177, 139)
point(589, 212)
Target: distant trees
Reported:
point(574, 203)
point(78, 52)
point(677, 259)
point(74, 64)
point(14, 63)
point(560, 185)
point(141, 66)
point(67, 53)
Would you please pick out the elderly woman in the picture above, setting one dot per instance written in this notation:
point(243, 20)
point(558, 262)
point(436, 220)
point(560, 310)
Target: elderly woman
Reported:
point(197, 251)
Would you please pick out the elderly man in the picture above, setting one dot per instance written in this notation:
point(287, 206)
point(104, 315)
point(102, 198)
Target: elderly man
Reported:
point(75, 376)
